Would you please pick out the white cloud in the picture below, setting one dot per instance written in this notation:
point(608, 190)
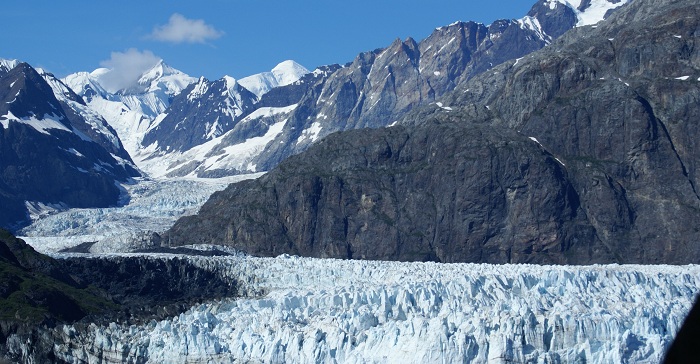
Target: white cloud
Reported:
point(126, 68)
point(182, 30)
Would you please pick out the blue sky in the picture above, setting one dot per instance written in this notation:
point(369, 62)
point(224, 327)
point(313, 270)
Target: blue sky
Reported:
point(213, 38)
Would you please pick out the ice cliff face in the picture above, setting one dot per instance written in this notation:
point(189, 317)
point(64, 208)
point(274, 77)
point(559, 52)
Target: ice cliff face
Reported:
point(316, 310)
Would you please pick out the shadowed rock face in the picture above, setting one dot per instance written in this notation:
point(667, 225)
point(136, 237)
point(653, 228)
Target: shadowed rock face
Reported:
point(686, 345)
point(610, 103)
point(438, 192)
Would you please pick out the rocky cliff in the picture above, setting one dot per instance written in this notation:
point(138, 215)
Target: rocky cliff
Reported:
point(581, 153)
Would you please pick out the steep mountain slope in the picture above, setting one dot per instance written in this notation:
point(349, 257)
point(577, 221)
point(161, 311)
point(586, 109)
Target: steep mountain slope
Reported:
point(618, 105)
point(202, 111)
point(51, 155)
point(226, 150)
point(84, 118)
point(579, 153)
point(440, 192)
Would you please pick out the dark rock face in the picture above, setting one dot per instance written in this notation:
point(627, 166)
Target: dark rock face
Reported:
point(440, 192)
point(611, 103)
point(686, 345)
point(555, 20)
point(149, 287)
point(55, 165)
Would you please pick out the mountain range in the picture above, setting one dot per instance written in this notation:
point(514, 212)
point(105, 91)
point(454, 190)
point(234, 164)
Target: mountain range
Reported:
point(55, 152)
point(169, 124)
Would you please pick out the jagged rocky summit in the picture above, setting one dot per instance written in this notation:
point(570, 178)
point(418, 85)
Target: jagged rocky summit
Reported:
point(580, 153)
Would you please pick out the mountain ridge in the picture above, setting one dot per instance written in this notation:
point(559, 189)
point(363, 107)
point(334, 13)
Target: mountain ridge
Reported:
point(51, 155)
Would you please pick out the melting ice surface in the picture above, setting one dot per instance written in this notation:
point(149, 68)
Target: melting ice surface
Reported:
point(304, 310)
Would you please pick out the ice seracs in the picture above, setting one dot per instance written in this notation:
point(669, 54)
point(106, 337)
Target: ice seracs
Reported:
point(303, 310)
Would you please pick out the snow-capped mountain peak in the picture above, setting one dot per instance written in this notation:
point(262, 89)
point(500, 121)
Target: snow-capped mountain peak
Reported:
point(7, 64)
point(85, 84)
point(162, 77)
point(288, 72)
point(230, 82)
point(283, 74)
point(199, 89)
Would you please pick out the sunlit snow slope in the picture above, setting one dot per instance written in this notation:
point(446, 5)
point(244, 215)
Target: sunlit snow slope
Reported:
point(327, 311)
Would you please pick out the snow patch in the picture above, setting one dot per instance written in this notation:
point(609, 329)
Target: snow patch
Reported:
point(42, 125)
point(8, 64)
point(592, 14)
point(199, 89)
point(532, 24)
point(439, 104)
point(312, 132)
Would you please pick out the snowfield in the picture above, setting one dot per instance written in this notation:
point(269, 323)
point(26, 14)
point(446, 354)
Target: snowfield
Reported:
point(306, 310)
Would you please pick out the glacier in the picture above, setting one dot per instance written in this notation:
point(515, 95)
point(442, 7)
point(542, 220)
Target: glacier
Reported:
point(151, 205)
point(301, 310)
